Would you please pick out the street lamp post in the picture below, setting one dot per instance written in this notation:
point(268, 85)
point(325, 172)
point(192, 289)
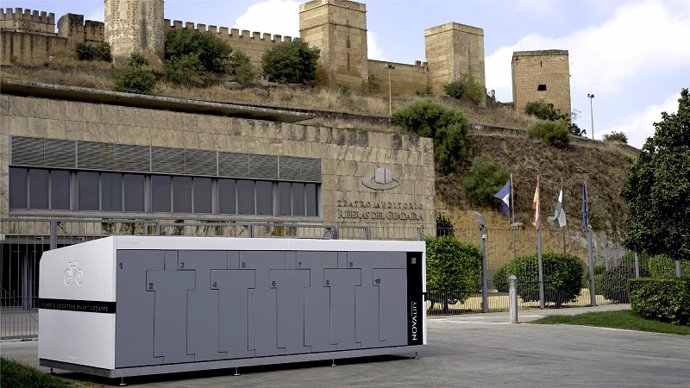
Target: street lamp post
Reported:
point(485, 282)
point(591, 112)
point(390, 94)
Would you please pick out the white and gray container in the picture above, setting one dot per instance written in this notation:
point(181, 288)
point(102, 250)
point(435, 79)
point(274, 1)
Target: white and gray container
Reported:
point(126, 306)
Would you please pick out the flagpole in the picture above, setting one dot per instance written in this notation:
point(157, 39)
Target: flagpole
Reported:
point(512, 213)
point(590, 259)
point(563, 209)
point(539, 261)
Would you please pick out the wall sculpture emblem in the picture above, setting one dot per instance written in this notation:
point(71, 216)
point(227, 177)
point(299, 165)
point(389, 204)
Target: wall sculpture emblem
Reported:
point(381, 180)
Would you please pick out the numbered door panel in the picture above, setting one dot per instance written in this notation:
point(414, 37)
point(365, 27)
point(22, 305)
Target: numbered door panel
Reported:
point(135, 306)
point(186, 306)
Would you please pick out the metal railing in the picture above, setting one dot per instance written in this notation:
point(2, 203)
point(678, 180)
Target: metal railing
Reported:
point(23, 241)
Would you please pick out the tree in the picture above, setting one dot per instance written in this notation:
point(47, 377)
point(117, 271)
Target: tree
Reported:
point(544, 111)
point(657, 189)
point(241, 67)
point(100, 52)
point(448, 127)
point(291, 62)
point(453, 270)
point(484, 179)
point(616, 137)
point(207, 51)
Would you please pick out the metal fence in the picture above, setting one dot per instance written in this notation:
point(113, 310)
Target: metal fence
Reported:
point(23, 241)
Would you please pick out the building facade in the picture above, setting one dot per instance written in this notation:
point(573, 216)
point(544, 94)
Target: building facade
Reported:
point(97, 159)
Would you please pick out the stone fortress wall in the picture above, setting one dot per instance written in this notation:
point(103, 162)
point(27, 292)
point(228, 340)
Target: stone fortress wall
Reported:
point(254, 44)
point(337, 27)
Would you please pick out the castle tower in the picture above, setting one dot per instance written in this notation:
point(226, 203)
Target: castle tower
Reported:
point(134, 26)
point(453, 49)
point(339, 29)
point(541, 75)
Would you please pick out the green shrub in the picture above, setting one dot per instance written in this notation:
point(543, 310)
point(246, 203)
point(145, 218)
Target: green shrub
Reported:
point(183, 70)
point(484, 179)
point(212, 52)
point(344, 89)
point(453, 270)
point(99, 52)
point(555, 133)
point(562, 277)
point(500, 278)
point(666, 300)
point(136, 77)
point(465, 86)
point(447, 127)
point(372, 85)
point(545, 111)
point(137, 60)
point(291, 62)
point(616, 137)
point(613, 284)
point(662, 266)
point(14, 374)
point(444, 227)
point(241, 67)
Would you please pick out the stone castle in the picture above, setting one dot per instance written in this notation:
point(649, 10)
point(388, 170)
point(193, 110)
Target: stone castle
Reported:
point(337, 27)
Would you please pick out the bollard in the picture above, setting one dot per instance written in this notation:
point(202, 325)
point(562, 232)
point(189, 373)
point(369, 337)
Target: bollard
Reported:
point(512, 295)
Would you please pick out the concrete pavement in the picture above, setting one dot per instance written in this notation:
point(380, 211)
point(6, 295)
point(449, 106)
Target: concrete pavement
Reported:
point(469, 351)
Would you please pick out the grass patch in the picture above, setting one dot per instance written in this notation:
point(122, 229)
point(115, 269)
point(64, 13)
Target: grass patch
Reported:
point(623, 319)
point(15, 374)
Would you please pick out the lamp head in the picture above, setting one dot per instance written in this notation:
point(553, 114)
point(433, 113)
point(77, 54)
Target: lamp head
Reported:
point(479, 218)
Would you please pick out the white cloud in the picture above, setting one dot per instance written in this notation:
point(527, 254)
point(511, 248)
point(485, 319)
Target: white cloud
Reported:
point(279, 17)
point(374, 51)
point(641, 126)
point(640, 37)
point(96, 15)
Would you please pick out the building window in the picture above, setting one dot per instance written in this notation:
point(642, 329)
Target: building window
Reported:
point(59, 190)
point(285, 198)
point(312, 200)
point(245, 197)
point(111, 191)
point(38, 189)
point(227, 196)
point(541, 87)
point(134, 190)
point(264, 198)
point(45, 189)
point(203, 198)
point(298, 201)
point(88, 190)
point(182, 194)
point(160, 193)
point(19, 179)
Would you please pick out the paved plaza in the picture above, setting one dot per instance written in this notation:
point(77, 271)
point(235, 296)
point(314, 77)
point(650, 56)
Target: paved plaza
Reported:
point(467, 351)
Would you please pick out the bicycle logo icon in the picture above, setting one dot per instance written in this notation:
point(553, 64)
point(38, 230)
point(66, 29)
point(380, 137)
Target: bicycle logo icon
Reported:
point(73, 273)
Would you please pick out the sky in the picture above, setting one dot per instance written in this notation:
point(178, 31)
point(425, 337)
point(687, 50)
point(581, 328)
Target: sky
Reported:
point(632, 55)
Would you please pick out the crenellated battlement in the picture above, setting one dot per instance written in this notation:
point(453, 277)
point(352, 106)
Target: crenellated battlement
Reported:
point(27, 15)
point(27, 20)
point(226, 32)
point(77, 30)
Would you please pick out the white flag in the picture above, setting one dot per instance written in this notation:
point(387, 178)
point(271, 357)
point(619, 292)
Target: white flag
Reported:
point(559, 215)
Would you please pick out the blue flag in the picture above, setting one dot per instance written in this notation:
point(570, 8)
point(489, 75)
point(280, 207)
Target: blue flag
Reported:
point(585, 211)
point(504, 196)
